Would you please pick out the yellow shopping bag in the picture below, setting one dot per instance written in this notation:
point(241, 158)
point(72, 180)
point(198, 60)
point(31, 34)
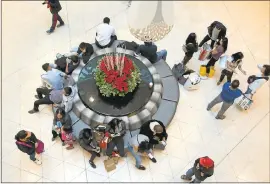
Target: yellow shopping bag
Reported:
point(203, 70)
point(212, 72)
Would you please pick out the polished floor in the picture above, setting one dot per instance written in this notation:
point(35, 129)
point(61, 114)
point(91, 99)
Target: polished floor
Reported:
point(239, 144)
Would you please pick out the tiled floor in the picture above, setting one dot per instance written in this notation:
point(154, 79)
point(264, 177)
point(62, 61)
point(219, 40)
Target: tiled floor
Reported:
point(239, 145)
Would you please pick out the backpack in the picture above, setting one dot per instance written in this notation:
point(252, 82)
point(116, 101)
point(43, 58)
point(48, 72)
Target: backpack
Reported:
point(129, 45)
point(252, 78)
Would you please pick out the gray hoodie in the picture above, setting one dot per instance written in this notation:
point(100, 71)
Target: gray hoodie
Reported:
point(67, 101)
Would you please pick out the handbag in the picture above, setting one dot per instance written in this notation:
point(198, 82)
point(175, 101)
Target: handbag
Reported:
point(205, 52)
point(222, 62)
point(40, 147)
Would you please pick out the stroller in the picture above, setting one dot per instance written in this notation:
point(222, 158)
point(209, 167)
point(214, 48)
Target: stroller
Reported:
point(186, 77)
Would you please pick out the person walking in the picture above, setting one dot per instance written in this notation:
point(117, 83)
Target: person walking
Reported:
point(227, 96)
point(88, 142)
point(231, 65)
point(202, 169)
point(55, 7)
point(255, 82)
point(190, 47)
point(116, 129)
point(220, 49)
point(27, 142)
point(140, 144)
point(216, 31)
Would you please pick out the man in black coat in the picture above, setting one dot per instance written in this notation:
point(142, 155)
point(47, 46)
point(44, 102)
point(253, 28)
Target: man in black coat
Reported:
point(85, 50)
point(155, 131)
point(216, 31)
point(55, 7)
point(202, 169)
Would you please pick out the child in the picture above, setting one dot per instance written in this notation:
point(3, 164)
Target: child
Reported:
point(67, 136)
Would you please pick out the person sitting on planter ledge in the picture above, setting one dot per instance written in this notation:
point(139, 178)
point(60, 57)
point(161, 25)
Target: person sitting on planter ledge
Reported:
point(155, 131)
point(116, 129)
point(140, 143)
point(105, 35)
point(88, 142)
point(68, 97)
point(202, 169)
point(67, 64)
point(85, 51)
point(149, 51)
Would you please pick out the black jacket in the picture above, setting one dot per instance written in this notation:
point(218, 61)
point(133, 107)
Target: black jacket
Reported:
point(191, 48)
point(222, 33)
point(61, 65)
point(121, 128)
point(64, 120)
point(55, 6)
point(31, 142)
point(88, 53)
point(148, 51)
point(88, 145)
point(129, 45)
point(145, 130)
point(206, 171)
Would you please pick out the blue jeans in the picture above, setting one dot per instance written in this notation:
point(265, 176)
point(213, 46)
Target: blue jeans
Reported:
point(33, 156)
point(190, 173)
point(162, 55)
point(136, 156)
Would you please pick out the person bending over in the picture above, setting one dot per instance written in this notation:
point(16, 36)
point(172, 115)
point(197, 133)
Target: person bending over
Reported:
point(85, 50)
point(105, 34)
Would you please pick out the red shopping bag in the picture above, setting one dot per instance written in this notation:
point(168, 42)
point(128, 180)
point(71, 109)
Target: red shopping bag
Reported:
point(40, 147)
point(206, 49)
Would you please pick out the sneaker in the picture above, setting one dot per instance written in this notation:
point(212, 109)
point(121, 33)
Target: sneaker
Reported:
point(221, 117)
point(53, 139)
point(33, 111)
point(38, 162)
point(208, 108)
point(184, 177)
point(98, 154)
point(49, 31)
point(59, 25)
point(63, 143)
point(92, 164)
point(218, 83)
point(36, 96)
point(69, 147)
point(153, 160)
point(141, 167)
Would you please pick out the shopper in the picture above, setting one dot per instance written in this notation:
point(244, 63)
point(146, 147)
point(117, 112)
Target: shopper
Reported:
point(88, 142)
point(236, 61)
point(220, 49)
point(190, 47)
point(67, 136)
point(202, 169)
point(27, 142)
point(51, 96)
point(105, 35)
point(216, 31)
point(155, 131)
point(68, 97)
point(53, 76)
point(227, 96)
point(149, 51)
point(61, 118)
point(140, 144)
point(85, 51)
point(67, 64)
point(116, 129)
point(55, 7)
point(255, 82)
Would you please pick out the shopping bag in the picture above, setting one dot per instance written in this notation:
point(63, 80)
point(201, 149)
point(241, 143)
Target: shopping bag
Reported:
point(244, 102)
point(212, 72)
point(40, 147)
point(223, 62)
point(109, 165)
point(203, 70)
point(206, 49)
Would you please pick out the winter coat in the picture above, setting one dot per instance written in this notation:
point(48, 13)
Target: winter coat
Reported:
point(88, 145)
point(67, 101)
point(222, 32)
point(88, 53)
point(191, 48)
point(31, 142)
point(206, 171)
point(146, 130)
point(55, 6)
point(66, 120)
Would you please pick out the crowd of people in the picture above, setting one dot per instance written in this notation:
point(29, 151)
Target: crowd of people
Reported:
point(58, 89)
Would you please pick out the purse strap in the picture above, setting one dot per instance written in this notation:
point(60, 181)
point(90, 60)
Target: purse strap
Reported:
point(22, 143)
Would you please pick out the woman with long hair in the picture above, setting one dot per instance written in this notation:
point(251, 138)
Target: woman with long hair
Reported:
point(190, 47)
point(236, 61)
point(220, 49)
point(116, 129)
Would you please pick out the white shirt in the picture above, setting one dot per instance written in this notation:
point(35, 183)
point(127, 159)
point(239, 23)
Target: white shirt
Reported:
point(257, 84)
point(104, 33)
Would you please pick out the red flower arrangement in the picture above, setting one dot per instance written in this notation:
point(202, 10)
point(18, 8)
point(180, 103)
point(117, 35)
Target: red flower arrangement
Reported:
point(116, 75)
